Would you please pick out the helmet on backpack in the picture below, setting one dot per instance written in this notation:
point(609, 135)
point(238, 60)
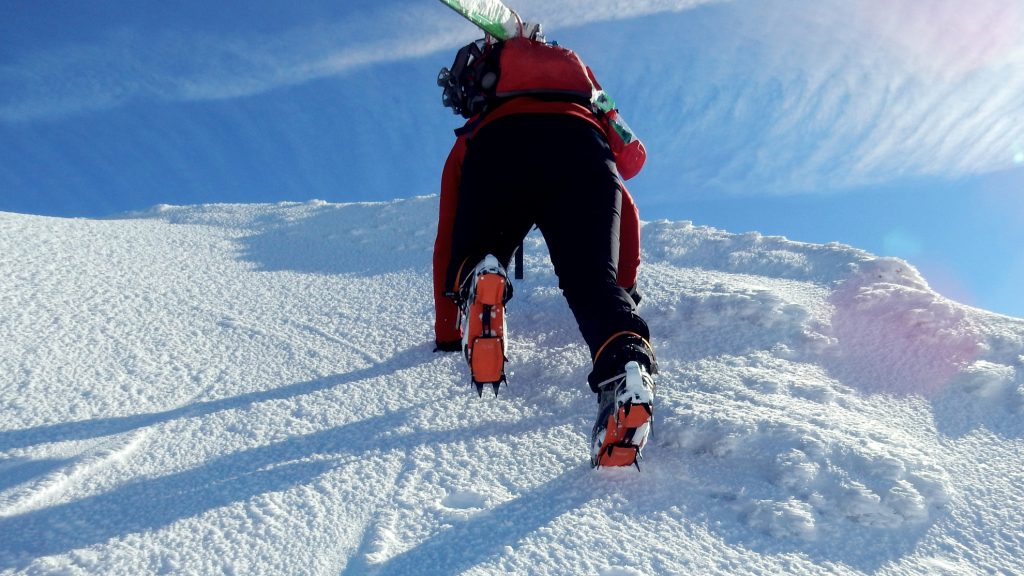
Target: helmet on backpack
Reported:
point(470, 82)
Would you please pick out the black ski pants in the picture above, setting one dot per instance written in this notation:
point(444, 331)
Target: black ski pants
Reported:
point(556, 172)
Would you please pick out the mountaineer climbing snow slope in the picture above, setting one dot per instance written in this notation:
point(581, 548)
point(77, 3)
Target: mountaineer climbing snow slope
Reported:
point(536, 114)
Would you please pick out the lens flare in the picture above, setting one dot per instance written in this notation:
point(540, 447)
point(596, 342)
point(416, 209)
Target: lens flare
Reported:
point(943, 38)
point(902, 243)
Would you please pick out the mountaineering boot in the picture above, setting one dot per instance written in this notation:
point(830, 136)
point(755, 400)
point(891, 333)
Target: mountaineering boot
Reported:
point(626, 407)
point(483, 323)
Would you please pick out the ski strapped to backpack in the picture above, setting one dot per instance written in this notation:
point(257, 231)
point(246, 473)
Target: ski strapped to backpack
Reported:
point(491, 16)
point(486, 292)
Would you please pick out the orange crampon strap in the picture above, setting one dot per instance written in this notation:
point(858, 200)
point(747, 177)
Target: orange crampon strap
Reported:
point(623, 333)
point(619, 447)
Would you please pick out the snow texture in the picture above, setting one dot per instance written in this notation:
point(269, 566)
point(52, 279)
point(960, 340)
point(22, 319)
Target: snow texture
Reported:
point(251, 389)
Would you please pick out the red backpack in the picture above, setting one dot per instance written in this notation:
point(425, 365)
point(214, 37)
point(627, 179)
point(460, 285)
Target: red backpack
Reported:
point(486, 74)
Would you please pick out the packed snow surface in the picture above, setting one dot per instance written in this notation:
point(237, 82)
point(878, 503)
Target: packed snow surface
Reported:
point(251, 389)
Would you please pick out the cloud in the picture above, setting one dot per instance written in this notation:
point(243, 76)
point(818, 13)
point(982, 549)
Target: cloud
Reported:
point(181, 65)
point(176, 65)
point(953, 76)
point(572, 13)
point(783, 96)
point(757, 96)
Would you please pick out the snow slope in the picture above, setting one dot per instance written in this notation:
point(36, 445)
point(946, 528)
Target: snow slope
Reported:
point(251, 389)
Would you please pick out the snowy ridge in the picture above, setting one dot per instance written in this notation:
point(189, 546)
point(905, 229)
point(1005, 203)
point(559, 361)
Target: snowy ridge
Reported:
point(250, 389)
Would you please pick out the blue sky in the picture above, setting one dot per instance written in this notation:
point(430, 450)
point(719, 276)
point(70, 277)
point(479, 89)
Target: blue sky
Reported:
point(896, 126)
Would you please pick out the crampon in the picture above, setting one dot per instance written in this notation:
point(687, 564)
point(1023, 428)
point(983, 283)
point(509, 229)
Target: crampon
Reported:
point(483, 324)
point(624, 419)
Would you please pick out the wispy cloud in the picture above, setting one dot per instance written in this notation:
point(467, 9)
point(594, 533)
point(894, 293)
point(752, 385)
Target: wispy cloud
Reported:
point(943, 86)
point(127, 65)
point(783, 96)
point(570, 13)
point(773, 96)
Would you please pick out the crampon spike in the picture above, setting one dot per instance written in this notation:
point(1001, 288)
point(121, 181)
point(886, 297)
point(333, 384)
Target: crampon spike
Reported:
point(496, 386)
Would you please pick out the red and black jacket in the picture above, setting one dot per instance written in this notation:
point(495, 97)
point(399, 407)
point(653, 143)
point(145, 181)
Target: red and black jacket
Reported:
point(525, 91)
